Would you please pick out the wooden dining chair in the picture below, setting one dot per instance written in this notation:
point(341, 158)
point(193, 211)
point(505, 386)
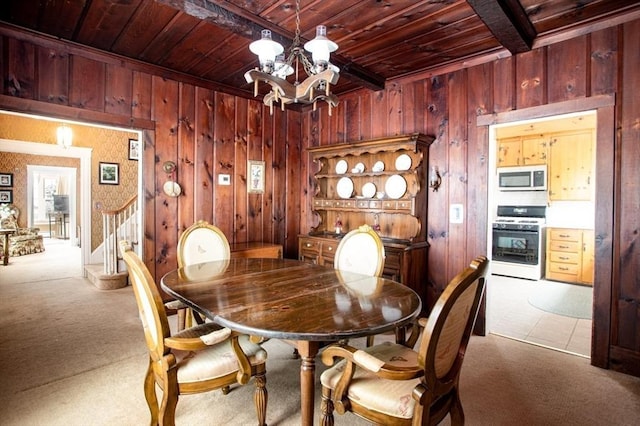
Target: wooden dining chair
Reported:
point(198, 359)
point(361, 251)
point(393, 384)
point(200, 242)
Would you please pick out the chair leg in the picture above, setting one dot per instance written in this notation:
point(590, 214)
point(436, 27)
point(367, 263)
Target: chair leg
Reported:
point(150, 393)
point(182, 318)
point(326, 408)
point(199, 318)
point(169, 398)
point(456, 411)
point(260, 398)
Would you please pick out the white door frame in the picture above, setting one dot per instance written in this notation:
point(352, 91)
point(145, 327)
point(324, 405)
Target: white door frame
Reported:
point(84, 154)
point(71, 174)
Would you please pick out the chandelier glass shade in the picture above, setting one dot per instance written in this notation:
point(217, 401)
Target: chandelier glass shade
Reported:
point(275, 68)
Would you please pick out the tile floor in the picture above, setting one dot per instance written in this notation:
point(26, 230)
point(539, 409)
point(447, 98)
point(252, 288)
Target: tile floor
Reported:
point(511, 315)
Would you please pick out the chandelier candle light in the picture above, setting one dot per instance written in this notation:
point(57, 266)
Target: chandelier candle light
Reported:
point(275, 68)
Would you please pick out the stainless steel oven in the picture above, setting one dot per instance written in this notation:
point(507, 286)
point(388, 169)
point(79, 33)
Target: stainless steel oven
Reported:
point(516, 243)
point(517, 246)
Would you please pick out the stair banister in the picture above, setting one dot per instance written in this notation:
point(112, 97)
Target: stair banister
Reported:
point(118, 224)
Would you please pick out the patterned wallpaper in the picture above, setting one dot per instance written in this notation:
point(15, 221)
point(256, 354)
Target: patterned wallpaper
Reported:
point(109, 145)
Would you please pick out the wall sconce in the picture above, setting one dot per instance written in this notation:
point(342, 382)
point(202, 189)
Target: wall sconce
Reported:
point(435, 180)
point(65, 136)
point(171, 187)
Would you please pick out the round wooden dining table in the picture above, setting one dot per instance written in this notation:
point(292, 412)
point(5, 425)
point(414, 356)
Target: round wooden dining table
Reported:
point(296, 301)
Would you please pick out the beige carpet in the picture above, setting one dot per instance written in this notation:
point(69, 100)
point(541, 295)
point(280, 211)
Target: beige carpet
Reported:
point(74, 355)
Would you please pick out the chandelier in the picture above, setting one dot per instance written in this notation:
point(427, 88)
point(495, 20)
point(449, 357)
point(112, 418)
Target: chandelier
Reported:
point(275, 68)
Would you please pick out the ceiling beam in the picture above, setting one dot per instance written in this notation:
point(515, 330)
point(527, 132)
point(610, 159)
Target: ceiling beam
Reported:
point(239, 21)
point(508, 22)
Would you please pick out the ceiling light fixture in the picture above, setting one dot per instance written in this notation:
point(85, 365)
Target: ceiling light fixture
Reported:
point(275, 68)
point(65, 136)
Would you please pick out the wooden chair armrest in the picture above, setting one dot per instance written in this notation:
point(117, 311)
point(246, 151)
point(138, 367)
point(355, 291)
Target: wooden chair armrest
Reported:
point(414, 334)
point(369, 362)
point(197, 338)
point(175, 304)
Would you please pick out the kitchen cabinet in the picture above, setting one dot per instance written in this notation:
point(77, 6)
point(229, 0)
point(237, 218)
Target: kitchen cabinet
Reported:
point(522, 151)
point(570, 255)
point(381, 182)
point(571, 163)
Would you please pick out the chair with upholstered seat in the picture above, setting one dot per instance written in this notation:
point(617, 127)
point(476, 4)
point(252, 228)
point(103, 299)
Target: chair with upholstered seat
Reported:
point(199, 359)
point(24, 240)
point(200, 242)
point(360, 251)
point(393, 384)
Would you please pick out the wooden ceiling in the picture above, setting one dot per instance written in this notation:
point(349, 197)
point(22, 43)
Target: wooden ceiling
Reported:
point(378, 39)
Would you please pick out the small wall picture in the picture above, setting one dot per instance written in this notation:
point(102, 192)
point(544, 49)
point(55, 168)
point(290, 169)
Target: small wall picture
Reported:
point(6, 179)
point(109, 174)
point(6, 196)
point(255, 171)
point(134, 149)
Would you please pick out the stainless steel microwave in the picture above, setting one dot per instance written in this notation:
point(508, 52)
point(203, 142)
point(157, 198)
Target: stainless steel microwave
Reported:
point(522, 178)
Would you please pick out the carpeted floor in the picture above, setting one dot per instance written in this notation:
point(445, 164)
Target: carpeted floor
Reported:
point(570, 300)
point(75, 355)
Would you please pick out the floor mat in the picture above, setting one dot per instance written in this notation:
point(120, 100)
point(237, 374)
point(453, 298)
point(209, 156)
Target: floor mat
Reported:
point(563, 299)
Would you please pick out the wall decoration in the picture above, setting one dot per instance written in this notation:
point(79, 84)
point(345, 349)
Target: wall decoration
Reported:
point(6, 179)
point(134, 149)
point(6, 196)
point(255, 170)
point(109, 174)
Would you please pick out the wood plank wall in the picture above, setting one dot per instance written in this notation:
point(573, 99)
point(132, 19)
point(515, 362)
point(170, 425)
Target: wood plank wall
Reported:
point(204, 131)
point(448, 106)
point(207, 132)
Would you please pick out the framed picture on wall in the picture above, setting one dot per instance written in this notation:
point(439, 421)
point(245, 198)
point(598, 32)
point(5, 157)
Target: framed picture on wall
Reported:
point(6, 179)
point(134, 149)
point(255, 171)
point(6, 196)
point(109, 174)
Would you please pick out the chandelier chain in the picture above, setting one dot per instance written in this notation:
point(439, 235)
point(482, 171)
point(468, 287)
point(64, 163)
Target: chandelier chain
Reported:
point(296, 39)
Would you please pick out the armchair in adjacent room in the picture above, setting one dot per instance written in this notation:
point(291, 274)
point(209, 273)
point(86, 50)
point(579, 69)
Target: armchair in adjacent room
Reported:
point(24, 240)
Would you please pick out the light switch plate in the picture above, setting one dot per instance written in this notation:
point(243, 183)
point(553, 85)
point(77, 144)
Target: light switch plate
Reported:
point(224, 179)
point(456, 213)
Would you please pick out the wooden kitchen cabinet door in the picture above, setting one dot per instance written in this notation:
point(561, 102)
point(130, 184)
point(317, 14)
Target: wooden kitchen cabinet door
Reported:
point(571, 164)
point(522, 151)
point(534, 150)
point(510, 152)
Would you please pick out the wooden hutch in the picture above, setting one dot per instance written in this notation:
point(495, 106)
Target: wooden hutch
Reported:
point(381, 182)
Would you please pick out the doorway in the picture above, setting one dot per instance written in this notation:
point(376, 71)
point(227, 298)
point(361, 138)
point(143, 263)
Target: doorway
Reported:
point(51, 201)
point(511, 312)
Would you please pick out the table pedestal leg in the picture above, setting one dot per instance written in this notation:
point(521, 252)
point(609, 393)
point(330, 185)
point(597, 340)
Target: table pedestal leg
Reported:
point(308, 352)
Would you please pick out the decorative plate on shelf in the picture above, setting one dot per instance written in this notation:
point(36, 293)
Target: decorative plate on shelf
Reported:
point(378, 166)
point(359, 167)
point(403, 162)
point(368, 190)
point(345, 187)
point(341, 167)
point(395, 187)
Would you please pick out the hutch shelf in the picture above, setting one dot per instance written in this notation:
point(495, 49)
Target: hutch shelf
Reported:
point(380, 182)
